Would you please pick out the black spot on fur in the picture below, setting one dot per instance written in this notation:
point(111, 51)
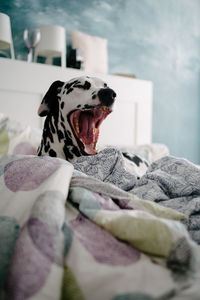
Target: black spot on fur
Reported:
point(77, 84)
point(69, 133)
point(47, 147)
point(39, 150)
point(68, 140)
point(60, 135)
point(87, 106)
point(86, 85)
point(105, 85)
point(76, 151)
point(67, 153)
point(62, 119)
point(47, 132)
point(94, 96)
point(51, 126)
point(52, 153)
point(69, 90)
point(62, 105)
point(69, 85)
point(78, 105)
point(51, 121)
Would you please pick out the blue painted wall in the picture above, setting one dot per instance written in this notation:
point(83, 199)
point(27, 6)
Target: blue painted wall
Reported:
point(157, 40)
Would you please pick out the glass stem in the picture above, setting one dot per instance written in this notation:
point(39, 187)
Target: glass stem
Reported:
point(30, 55)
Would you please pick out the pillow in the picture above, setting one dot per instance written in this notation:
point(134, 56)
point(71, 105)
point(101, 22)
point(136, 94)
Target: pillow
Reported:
point(18, 139)
point(95, 57)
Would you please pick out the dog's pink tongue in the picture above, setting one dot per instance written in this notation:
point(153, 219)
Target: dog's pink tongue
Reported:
point(87, 122)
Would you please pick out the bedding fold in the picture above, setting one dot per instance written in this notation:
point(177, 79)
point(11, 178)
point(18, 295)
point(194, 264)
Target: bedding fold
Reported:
point(172, 182)
point(73, 236)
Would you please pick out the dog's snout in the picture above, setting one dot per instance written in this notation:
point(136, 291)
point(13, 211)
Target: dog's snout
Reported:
point(106, 96)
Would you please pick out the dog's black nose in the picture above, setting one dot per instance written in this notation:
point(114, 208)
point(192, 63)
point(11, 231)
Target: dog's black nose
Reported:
point(106, 96)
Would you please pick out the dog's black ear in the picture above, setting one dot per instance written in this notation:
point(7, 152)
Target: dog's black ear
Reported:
point(49, 98)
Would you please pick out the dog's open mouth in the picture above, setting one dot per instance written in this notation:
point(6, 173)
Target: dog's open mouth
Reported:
point(85, 125)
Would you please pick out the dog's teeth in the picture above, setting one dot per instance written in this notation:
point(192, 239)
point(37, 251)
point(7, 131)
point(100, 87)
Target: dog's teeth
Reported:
point(77, 126)
point(104, 109)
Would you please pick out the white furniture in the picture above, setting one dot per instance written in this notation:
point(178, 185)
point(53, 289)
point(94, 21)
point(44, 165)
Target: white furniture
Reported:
point(6, 41)
point(52, 44)
point(23, 85)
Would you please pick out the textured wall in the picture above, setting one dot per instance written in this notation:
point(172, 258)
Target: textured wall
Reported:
point(157, 40)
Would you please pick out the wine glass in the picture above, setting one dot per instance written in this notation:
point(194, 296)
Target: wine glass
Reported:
point(31, 39)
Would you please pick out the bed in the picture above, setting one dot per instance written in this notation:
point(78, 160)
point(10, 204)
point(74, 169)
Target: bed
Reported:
point(107, 231)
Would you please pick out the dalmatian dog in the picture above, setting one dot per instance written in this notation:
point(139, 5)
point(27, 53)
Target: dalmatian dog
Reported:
point(74, 111)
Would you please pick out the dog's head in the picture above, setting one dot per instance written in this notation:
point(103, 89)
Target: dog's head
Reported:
point(79, 105)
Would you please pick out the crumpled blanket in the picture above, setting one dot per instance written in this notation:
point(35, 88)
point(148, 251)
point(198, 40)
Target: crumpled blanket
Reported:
point(175, 183)
point(171, 182)
point(65, 235)
point(110, 166)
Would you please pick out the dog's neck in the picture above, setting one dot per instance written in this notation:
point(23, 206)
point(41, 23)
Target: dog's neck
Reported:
point(58, 140)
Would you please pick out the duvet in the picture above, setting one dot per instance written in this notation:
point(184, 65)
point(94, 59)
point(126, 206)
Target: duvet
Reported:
point(93, 230)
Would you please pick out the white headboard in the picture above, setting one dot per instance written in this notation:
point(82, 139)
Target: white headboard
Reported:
point(22, 86)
